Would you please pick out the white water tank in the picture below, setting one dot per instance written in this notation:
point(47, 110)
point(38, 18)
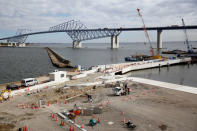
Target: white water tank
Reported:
point(79, 67)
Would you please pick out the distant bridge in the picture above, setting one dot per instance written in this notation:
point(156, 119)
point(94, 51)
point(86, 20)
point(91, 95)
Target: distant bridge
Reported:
point(79, 32)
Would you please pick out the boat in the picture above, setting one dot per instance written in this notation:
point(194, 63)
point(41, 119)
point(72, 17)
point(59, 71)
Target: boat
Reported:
point(137, 58)
point(174, 52)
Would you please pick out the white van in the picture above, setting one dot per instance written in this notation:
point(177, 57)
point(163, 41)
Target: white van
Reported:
point(29, 82)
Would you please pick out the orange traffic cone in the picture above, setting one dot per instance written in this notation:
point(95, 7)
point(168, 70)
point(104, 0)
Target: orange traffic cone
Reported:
point(130, 97)
point(98, 120)
point(70, 129)
point(123, 99)
point(101, 104)
point(82, 126)
point(48, 104)
point(65, 102)
point(73, 128)
point(123, 120)
point(26, 129)
point(61, 123)
point(108, 102)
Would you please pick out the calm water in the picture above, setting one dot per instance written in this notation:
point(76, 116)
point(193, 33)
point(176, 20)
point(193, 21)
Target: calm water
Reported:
point(18, 63)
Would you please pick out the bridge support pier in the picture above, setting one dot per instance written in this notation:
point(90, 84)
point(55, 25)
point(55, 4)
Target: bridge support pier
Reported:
point(114, 42)
point(77, 44)
point(159, 42)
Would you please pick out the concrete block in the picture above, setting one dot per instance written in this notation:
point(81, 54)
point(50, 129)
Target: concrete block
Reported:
point(87, 112)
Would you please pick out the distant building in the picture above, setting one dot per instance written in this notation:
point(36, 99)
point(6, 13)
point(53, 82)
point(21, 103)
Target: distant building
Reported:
point(13, 44)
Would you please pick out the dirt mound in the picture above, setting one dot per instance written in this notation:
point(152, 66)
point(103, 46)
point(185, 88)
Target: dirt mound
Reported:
point(6, 127)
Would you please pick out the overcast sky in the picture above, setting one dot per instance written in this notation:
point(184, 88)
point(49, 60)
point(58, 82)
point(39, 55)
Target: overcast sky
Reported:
point(41, 14)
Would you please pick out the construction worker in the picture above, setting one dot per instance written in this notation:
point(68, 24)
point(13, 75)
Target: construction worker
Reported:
point(128, 90)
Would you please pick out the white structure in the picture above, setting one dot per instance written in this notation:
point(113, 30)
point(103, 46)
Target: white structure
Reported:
point(114, 42)
point(57, 75)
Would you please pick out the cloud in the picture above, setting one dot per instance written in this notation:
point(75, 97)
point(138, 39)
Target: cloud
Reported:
point(41, 14)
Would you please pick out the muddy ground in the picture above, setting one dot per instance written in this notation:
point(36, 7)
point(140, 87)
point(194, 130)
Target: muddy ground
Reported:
point(149, 108)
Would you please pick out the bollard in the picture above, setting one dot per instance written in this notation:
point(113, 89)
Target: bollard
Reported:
point(122, 113)
point(82, 126)
point(101, 104)
point(73, 128)
point(56, 118)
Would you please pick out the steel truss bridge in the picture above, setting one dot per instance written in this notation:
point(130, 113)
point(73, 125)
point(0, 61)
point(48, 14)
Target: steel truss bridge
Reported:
point(79, 32)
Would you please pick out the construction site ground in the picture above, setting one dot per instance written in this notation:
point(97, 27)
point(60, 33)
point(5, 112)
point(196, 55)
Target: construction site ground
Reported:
point(150, 108)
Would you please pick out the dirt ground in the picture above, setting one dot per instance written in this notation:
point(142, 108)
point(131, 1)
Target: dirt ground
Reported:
point(149, 108)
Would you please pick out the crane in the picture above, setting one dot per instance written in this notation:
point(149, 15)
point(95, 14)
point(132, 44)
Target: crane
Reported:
point(147, 36)
point(189, 48)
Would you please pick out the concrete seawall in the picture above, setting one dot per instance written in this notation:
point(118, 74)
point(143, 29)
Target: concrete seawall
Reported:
point(57, 60)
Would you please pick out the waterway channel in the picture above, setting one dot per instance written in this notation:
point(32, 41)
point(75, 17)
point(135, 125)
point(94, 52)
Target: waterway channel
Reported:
point(19, 63)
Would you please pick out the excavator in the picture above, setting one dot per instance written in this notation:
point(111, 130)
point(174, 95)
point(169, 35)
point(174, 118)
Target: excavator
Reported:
point(157, 56)
point(4, 95)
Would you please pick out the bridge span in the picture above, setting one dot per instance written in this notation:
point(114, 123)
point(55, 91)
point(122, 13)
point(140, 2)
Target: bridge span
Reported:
point(79, 32)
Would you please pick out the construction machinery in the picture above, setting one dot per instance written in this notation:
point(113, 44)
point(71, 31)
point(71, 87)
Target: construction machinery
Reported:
point(189, 47)
point(4, 95)
point(157, 56)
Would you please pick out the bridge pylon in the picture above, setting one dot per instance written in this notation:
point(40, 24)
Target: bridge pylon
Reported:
point(77, 44)
point(114, 42)
point(159, 41)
